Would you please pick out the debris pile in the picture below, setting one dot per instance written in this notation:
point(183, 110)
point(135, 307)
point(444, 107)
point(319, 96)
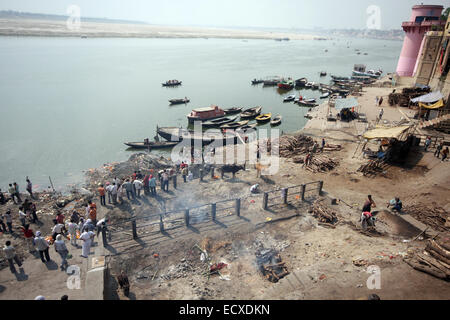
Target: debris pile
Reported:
point(177, 271)
point(435, 260)
point(325, 215)
point(435, 217)
point(271, 265)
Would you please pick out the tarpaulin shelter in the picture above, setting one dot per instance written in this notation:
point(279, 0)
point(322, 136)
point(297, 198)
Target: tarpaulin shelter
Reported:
point(385, 132)
point(429, 97)
point(435, 105)
point(345, 103)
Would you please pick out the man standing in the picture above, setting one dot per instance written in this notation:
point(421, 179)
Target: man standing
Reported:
point(22, 216)
point(72, 230)
point(87, 238)
point(138, 187)
point(108, 190)
point(32, 207)
point(102, 193)
point(58, 228)
point(60, 217)
point(10, 255)
point(16, 188)
point(29, 187)
point(145, 183)
point(124, 284)
point(128, 188)
point(2, 223)
point(152, 185)
point(367, 207)
point(42, 246)
point(12, 192)
point(29, 236)
point(165, 180)
point(380, 101)
point(61, 249)
point(437, 153)
point(114, 191)
point(184, 173)
point(381, 114)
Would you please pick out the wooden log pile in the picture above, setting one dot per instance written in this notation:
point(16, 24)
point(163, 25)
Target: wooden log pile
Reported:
point(290, 146)
point(435, 260)
point(402, 99)
point(372, 167)
point(435, 217)
point(325, 215)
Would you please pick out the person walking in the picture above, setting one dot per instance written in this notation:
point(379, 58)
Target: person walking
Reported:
point(427, 143)
point(60, 217)
point(29, 237)
point(61, 249)
point(102, 195)
point(376, 101)
point(437, 153)
point(58, 228)
point(165, 181)
point(145, 183)
point(8, 218)
point(22, 216)
point(138, 187)
point(42, 245)
point(152, 185)
point(72, 228)
point(29, 187)
point(381, 114)
point(10, 255)
point(444, 154)
point(35, 218)
point(380, 101)
point(120, 193)
point(17, 192)
point(87, 237)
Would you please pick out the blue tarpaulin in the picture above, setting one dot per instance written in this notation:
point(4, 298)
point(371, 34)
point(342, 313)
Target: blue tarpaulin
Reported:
point(429, 97)
point(345, 103)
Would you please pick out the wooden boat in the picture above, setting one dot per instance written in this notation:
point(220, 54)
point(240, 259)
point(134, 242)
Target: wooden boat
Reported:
point(314, 86)
point(303, 103)
point(232, 110)
point(151, 144)
point(171, 83)
point(339, 78)
point(301, 83)
point(247, 127)
point(286, 84)
point(323, 73)
point(263, 117)
point(257, 81)
point(203, 114)
point(234, 125)
point(179, 101)
point(176, 134)
point(250, 113)
point(325, 95)
point(276, 121)
point(218, 122)
point(289, 98)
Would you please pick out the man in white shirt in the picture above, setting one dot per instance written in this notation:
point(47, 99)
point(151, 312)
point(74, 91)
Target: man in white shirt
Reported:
point(114, 192)
point(72, 230)
point(109, 191)
point(87, 238)
point(22, 216)
point(58, 228)
point(138, 186)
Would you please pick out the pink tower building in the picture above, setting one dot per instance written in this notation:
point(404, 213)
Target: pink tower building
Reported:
point(422, 19)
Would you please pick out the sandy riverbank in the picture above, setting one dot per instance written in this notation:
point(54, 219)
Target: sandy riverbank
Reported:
point(43, 28)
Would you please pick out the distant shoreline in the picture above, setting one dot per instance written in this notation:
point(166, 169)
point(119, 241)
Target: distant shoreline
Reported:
point(52, 28)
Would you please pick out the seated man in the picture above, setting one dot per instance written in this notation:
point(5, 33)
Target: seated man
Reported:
point(396, 204)
point(367, 219)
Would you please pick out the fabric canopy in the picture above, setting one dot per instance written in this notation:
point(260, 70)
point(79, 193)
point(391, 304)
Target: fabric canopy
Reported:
point(436, 105)
point(383, 132)
point(345, 103)
point(429, 97)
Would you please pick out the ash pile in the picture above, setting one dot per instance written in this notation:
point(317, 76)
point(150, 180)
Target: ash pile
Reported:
point(270, 265)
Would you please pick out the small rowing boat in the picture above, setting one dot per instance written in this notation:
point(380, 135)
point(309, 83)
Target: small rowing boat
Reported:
point(276, 121)
point(151, 144)
point(232, 110)
point(171, 83)
point(304, 103)
point(179, 101)
point(289, 98)
point(250, 113)
point(234, 125)
point(218, 122)
point(325, 95)
point(263, 117)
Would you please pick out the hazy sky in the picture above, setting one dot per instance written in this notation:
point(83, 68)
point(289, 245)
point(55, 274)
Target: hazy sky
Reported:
point(237, 13)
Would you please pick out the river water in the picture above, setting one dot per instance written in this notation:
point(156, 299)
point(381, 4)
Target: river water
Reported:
point(68, 104)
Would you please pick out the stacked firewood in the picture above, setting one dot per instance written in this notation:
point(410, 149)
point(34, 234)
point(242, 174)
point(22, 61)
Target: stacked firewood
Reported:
point(372, 167)
point(435, 260)
point(402, 99)
point(290, 146)
point(435, 217)
point(324, 214)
